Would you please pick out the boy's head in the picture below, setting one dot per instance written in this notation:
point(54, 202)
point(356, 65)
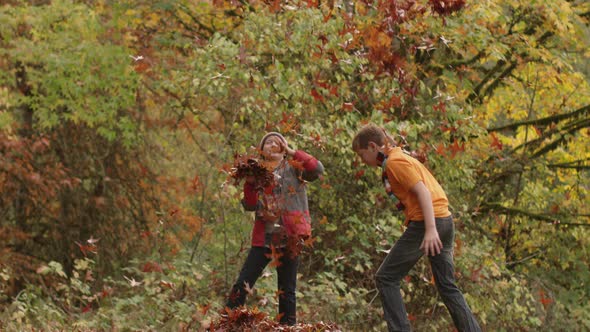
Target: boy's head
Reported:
point(367, 144)
point(273, 146)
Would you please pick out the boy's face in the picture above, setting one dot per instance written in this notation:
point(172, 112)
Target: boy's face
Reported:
point(369, 155)
point(273, 148)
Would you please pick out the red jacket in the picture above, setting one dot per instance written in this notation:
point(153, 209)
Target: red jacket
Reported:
point(289, 195)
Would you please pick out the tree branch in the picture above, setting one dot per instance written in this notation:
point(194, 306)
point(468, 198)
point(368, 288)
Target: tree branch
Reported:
point(476, 92)
point(563, 137)
point(532, 215)
point(544, 121)
point(576, 164)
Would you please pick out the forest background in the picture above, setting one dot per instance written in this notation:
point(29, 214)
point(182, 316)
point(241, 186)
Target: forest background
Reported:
point(119, 121)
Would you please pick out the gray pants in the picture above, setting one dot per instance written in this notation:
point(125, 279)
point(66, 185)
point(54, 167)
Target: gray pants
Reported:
point(402, 257)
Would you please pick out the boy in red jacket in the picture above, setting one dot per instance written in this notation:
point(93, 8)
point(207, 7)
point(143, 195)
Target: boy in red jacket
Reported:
point(282, 221)
point(430, 230)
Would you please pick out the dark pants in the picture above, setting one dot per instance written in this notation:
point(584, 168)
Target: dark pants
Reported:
point(255, 263)
point(402, 257)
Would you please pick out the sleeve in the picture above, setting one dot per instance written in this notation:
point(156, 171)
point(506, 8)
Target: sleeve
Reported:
point(250, 200)
point(403, 172)
point(310, 167)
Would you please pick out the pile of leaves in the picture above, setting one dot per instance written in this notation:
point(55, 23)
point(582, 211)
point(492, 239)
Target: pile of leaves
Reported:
point(245, 319)
point(248, 165)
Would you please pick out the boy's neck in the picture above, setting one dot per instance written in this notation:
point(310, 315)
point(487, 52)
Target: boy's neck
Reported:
point(384, 151)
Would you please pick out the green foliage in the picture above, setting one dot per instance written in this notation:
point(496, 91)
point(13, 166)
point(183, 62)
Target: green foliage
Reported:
point(73, 71)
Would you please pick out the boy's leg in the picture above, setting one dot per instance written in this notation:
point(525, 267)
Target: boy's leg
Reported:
point(251, 270)
point(287, 283)
point(444, 276)
point(401, 258)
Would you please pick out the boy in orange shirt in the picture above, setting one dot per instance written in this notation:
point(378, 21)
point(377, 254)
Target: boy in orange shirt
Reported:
point(430, 230)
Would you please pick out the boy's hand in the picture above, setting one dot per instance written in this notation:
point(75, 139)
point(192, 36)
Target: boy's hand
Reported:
point(288, 151)
point(431, 245)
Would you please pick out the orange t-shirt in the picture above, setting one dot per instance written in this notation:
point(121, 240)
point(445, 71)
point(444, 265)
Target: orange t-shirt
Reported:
point(403, 172)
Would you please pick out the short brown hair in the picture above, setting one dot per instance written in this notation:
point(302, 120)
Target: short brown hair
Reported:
point(368, 133)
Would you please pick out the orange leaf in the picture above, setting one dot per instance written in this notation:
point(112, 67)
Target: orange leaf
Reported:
point(441, 149)
point(456, 148)
point(205, 308)
point(309, 242)
point(275, 256)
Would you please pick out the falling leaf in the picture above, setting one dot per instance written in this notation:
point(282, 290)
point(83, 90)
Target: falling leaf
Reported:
point(247, 288)
point(86, 248)
point(275, 256)
point(91, 240)
point(166, 284)
point(348, 107)
point(132, 282)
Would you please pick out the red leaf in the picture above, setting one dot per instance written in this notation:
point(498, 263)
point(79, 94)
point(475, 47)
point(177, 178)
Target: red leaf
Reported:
point(313, 3)
point(327, 17)
point(359, 174)
point(151, 267)
point(440, 107)
point(316, 96)
point(446, 7)
point(496, 144)
point(544, 299)
point(141, 66)
point(87, 308)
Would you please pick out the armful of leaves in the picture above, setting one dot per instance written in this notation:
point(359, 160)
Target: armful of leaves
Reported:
point(251, 166)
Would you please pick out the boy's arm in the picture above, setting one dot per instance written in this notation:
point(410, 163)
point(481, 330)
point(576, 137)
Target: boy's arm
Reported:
point(311, 167)
point(431, 245)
